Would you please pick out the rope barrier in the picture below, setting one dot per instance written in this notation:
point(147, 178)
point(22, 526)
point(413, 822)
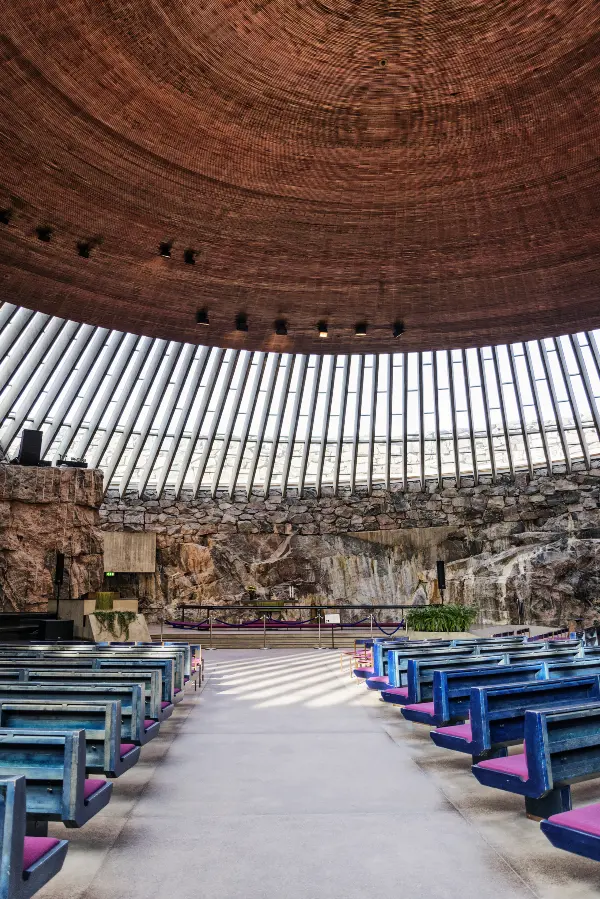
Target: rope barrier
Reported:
point(391, 633)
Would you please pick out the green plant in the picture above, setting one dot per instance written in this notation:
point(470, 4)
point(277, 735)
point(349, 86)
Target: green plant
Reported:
point(116, 623)
point(441, 619)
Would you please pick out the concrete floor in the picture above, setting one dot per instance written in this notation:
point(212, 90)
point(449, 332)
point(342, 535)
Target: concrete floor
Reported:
point(284, 778)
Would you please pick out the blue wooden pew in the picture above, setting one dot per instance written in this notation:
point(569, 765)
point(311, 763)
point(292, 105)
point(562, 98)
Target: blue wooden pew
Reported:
point(561, 747)
point(26, 863)
point(100, 663)
point(452, 688)
point(135, 728)
point(53, 764)
point(497, 713)
point(107, 751)
point(149, 680)
point(420, 705)
point(396, 663)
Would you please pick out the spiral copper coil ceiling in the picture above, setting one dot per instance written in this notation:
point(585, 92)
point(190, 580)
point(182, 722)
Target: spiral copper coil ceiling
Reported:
point(354, 162)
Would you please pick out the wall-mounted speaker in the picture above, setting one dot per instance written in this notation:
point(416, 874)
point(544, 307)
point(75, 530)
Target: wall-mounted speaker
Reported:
point(441, 575)
point(59, 572)
point(30, 450)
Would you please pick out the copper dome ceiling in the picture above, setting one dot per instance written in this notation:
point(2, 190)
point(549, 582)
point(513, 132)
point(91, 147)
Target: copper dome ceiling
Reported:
point(418, 161)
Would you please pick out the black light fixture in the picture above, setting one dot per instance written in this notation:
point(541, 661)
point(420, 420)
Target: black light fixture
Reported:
point(44, 233)
point(84, 248)
point(202, 317)
point(189, 256)
point(322, 328)
point(398, 329)
point(281, 327)
point(5, 216)
point(165, 247)
point(241, 322)
point(361, 329)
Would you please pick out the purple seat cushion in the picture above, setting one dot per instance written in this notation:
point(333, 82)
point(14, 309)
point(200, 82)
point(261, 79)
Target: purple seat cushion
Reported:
point(148, 722)
point(125, 748)
point(165, 705)
point(380, 679)
point(427, 707)
point(35, 848)
point(463, 731)
point(92, 786)
point(512, 764)
point(586, 819)
point(398, 691)
point(177, 690)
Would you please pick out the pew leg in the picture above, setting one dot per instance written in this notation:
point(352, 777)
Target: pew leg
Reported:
point(558, 800)
point(36, 827)
point(499, 752)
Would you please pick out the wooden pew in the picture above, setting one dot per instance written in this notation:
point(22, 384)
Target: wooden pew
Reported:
point(497, 713)
point(107, 751)
point(53, 764)
point(561, 747)
point(75, 661)
point(27, 863)
point(149, 680)
point(420, 706)
point(135, 729)
point(452, 688)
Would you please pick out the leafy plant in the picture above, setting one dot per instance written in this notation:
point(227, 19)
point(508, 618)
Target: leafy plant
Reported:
point(116, 623)
point(441, 619)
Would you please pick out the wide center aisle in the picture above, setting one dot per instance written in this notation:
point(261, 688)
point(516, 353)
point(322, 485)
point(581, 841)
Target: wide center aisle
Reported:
point(283, 778)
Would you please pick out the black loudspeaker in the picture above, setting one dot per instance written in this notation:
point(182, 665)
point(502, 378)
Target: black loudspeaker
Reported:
point(30, 451)
point(441, 575)
point(52, 629)
point(59, 572)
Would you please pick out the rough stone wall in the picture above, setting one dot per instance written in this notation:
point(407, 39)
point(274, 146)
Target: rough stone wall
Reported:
point(42, 511)
point(530, 541)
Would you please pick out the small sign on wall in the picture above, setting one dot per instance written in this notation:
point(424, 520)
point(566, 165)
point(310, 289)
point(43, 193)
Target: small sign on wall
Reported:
point(332, 618)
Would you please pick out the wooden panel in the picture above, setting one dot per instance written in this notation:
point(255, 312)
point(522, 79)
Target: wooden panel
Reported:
point(129, 552)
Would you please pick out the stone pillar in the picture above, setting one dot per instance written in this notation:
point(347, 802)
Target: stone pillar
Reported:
point(44, 511)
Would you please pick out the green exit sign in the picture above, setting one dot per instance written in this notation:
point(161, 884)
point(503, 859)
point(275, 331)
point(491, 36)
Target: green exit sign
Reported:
point(109, 573)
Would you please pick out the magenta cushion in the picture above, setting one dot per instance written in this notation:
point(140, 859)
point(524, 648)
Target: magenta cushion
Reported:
point(397, 691)
point(92, 786)
point(586, 819)
point(125, 748)
point(165, 705)
point(427, 707)
point(35, 848)
point(148, 722)
point(380, 679)
point(458, 730)
point(512, 764)
point(177, 690)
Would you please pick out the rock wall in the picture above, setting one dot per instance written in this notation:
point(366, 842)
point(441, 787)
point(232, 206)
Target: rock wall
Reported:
point(42, 511)
point(526, 546)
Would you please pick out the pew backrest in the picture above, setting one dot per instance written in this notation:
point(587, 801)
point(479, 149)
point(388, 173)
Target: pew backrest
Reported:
point(129, 696)
point(420, 672)
point(498, 713)
point(562, 745)
point(150, 681)
point(452, 688)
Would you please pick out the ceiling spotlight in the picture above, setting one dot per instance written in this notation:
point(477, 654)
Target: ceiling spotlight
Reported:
point(84, 248)
point(202, 317)
point(5, 216)
point(398, 329)
point(281, 327)
point(322, 328)
point(361, 329)
point(241, 322)
point(44, 233)
point(189, 256)
point(165, 247)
